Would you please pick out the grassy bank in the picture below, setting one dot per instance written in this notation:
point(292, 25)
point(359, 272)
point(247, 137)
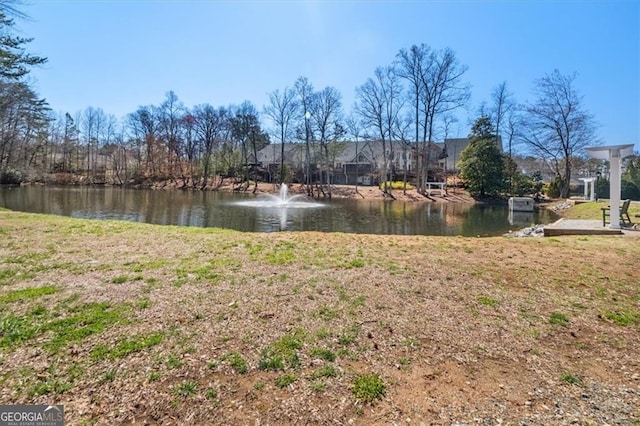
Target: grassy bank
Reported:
point(594, 210)
point(124, 322)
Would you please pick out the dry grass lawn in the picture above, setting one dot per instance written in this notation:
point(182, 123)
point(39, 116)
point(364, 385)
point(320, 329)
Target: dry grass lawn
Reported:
point(127, 323)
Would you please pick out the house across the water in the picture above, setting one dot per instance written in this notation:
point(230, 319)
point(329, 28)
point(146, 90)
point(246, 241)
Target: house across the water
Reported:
point(362, 162)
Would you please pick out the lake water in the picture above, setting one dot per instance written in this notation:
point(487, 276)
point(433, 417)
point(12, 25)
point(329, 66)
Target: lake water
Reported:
point(224, 210)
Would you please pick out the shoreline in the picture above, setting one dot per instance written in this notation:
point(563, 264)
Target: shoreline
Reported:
point(455, 195)
point(361, 192)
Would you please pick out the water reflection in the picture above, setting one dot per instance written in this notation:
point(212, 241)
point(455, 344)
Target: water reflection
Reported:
point(218, 209)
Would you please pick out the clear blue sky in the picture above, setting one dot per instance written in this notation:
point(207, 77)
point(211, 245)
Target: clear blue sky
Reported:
point(118, 55)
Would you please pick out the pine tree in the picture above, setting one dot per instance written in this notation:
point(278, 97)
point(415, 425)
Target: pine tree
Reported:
point(23, 116)
point(14, 61)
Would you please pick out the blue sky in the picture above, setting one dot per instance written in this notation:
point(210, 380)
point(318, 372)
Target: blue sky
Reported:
point(118, 55)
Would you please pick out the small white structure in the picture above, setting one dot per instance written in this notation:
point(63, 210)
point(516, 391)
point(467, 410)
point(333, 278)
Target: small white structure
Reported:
point(521, 204)
point(589, 188)
point(613, 153)
point(437, 186)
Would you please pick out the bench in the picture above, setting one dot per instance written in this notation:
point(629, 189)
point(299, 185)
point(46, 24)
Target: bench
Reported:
point(625, 220)
point(437, 186)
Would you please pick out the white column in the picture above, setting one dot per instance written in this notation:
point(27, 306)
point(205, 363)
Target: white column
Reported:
point(592, 196)
point(614, 188)
point(586, 188)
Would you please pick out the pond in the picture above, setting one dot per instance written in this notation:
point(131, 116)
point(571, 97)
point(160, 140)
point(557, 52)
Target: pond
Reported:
point(229, 210)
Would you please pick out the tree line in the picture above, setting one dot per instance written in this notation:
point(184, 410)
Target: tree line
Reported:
point(412, 101)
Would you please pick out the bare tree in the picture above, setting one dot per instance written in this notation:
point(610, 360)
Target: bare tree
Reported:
point(190, 146)
point(210, 123)
point(378, 105)
point(143, 126)
point(326, 113)
point(557, 125)
point(354, 127)
point(412, 66)
point(69, 142)
point(88, 130)
point(246, 128)
point(119, 153)
point(304, 90)
point(401, 133)
point(54, 140)
point(444, 91)
point(503, 107)
point(282, 110)
point(170, 115)
point(502, 114)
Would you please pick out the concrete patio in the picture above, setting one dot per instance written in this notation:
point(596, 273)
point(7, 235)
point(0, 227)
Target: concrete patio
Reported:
point(585, 227)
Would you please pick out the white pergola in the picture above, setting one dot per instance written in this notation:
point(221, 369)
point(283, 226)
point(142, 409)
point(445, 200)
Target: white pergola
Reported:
point(613, 153)
point(589, 188)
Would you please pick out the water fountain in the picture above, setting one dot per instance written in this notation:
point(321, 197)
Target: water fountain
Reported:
point(271, 205)
point(282, 200)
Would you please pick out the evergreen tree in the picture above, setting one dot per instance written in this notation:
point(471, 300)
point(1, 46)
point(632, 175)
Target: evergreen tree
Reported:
point(23, 117)
point(631, 179)
point(14, 61)
point(482, 165)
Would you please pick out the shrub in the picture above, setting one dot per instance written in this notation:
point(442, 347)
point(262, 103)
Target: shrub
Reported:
point(630, 190)
point(552, 189)
point(396, 185)
point(11, 177)
point(522, 185)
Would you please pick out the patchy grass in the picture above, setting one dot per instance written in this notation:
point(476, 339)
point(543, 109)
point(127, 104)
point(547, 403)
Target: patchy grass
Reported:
point(284, 350)
point(60, 327)
point(369, 387)
point(282, 253)
point(185, 388)
point(126, 346)
point(571, 379)
point(324, 354)
point(237, 362)
point(285, 380)
point(27, 293)
point(81, 322)
point(326, 371)
point(623, 318)
point(488, 301)
point(558, 318)
point(143, 323)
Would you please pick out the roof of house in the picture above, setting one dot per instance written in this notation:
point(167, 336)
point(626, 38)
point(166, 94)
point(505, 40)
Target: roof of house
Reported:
point(368, 151)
